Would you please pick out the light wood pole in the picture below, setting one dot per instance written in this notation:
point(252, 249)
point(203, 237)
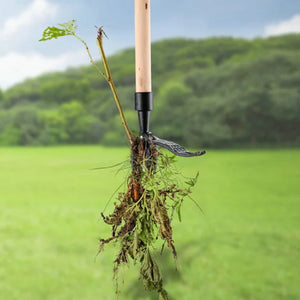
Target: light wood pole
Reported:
point(143, 95)
point(142, 46)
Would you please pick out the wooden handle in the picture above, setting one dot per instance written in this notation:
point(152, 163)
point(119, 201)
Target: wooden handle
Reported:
point(142, 46)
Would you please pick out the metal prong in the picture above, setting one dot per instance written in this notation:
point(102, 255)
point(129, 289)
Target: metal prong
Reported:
point(175, 148)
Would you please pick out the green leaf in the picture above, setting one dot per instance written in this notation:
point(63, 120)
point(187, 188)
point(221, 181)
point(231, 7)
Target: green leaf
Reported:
point(196, 203)
point(135, 244)
point(64, 29)
point(193, 181)
point(179, 212)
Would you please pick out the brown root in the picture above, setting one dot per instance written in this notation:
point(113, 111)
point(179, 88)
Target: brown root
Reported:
point(141, 214)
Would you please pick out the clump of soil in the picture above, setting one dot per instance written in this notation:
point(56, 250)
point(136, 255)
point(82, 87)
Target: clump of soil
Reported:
point(144, 212)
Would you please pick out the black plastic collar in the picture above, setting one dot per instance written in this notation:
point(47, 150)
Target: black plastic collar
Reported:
point(143, 104)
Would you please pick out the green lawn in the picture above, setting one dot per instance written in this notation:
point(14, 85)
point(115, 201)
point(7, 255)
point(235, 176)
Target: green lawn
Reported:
point(246, 246)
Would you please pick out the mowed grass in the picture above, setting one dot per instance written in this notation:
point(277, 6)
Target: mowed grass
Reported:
point(246, 245)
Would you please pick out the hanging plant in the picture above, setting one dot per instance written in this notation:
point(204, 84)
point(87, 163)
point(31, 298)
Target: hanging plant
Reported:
point(144, 212)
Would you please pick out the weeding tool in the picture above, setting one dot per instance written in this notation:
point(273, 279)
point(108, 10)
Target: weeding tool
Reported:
point(143, 94)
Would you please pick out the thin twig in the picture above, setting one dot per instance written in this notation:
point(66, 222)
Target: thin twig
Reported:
point(90, 56)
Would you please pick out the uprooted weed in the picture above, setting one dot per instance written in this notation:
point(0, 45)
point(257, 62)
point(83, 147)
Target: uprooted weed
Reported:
point(144, 212)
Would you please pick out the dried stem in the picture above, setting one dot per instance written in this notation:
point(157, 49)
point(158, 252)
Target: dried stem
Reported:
point(112, 85)
point(108, 78)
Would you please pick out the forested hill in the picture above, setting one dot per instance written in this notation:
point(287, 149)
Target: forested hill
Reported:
point(216, 92)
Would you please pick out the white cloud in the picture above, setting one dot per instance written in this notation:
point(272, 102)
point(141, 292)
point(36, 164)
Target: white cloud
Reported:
point(288, 26)
point(15, 67)
point(35, 13)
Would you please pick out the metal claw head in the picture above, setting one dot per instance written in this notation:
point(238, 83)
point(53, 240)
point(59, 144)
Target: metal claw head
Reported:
point(143, 105)
point(174, 148)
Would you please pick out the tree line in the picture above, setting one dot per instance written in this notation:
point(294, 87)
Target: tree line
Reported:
point(215, 92)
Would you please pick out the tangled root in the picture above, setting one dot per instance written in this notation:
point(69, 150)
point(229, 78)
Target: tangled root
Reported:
point(141, 214)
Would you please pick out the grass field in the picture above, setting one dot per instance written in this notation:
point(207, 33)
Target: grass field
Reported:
point(246, 246)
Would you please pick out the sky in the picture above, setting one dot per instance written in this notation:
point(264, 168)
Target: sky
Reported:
point(23, 21)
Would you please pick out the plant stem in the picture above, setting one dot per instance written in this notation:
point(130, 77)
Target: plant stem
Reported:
point(112, 85)
point(108, 78)
point(90, 56)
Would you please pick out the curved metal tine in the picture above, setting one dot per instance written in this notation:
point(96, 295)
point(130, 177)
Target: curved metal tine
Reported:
point(175, 148)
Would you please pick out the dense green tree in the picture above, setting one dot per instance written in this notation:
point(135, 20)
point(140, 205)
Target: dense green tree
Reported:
point(53, 128)
point(10, 136)
point(28, 123)
point(168, 116)
point(65, 89)
point(77, 121)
